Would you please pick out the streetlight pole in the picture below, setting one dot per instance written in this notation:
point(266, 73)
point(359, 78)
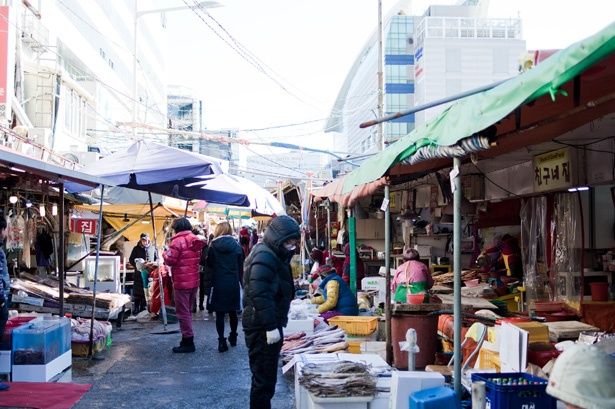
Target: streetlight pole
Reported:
point(135, 30)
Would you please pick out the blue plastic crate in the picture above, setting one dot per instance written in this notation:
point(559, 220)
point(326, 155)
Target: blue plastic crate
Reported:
point(434, 398)
point(503, 391)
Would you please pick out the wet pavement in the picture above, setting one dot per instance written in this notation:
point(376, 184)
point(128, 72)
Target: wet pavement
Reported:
point(140, 371)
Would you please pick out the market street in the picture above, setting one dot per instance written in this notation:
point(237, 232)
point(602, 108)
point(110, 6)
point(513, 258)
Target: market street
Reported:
point(140, 371)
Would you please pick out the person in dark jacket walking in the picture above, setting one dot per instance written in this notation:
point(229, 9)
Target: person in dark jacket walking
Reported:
point(183, 257)
point(147, 252)
point(268, 291)
point(223, 271)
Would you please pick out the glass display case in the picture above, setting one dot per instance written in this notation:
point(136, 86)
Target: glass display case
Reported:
point(108, 273)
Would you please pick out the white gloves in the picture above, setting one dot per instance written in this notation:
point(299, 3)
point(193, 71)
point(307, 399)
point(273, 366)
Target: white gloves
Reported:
point(273, 336)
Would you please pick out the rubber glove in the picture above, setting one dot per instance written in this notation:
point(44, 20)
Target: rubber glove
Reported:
point(273, 336)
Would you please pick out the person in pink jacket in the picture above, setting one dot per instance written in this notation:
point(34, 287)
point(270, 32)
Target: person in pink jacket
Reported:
point(411, 271)
point(183, 256)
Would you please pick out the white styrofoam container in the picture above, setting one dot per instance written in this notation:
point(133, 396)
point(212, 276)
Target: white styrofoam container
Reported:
point(293, 326)
point(351, 402)
point(42, 373)
point(404, 383)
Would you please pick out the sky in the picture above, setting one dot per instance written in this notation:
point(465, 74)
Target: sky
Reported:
point(308, 46)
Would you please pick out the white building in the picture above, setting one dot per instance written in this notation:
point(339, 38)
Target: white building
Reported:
point(458, 48)
point(447, 50)
point(74, 77)
point(267, 169)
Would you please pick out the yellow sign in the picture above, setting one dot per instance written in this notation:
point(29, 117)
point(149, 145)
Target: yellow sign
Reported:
point(552, 171)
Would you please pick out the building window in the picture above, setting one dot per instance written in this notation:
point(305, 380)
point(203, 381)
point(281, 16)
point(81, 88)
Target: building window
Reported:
point(397, 74)
point(396, 102)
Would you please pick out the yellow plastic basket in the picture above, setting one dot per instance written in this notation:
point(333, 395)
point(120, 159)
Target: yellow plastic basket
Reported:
point(355, 325)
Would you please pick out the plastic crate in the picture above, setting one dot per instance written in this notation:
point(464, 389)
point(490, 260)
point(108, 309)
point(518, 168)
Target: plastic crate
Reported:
point(502, 395)
point(355, 325)
point(81, 348)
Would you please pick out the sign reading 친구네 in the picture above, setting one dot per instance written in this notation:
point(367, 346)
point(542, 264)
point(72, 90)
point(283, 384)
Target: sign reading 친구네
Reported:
point(552, 170)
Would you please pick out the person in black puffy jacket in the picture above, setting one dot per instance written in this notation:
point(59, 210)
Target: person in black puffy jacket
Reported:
point(268, 291)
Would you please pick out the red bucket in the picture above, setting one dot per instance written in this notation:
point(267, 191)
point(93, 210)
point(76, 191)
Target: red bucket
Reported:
point(600, 291)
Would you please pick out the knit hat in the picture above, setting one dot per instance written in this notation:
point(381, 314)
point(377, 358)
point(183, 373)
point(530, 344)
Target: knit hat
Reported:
point(325, 269)
point(410, 254)
point(583, 376)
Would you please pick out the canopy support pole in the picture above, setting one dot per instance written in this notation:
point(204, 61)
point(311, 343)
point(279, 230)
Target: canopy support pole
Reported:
point(352, 242)
point(456, 184)
point(98, 236)
point(163, 308)
point(387, 268)
point(61, 252)
point(329, 228)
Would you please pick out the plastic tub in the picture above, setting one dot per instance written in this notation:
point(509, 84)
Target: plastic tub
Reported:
point(600, 291)
point(415, 299)
point(355, 325)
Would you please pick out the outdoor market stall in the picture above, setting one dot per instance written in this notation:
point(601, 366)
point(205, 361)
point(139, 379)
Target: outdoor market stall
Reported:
point(507, 142)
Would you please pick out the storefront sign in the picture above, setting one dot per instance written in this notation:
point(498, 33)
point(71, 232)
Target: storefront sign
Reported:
point(85, 226)
point(552, 171)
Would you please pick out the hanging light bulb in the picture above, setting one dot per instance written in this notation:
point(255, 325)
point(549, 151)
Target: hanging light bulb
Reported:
point(41, 210)
point(54, 210)
point(13, 199)
point(28, 203)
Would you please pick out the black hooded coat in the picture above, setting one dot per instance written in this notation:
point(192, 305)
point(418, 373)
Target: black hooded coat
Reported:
point(268, 280)
point(223, 271)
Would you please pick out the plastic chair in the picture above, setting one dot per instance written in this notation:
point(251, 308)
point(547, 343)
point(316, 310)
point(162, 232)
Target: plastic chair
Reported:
point(476, 332)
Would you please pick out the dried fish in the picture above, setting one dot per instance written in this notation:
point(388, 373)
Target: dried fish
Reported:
point(338, 379)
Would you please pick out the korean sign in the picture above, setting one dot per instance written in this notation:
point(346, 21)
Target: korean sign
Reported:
point(552, 171)
point(85, 226)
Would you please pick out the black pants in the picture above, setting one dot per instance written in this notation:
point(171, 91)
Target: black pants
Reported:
point(233, 321)
point(201, 290)
point(264, 367)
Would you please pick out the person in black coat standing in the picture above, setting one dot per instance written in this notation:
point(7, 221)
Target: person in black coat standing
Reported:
point(268, 291)
point(147, 252)
point(223, 271)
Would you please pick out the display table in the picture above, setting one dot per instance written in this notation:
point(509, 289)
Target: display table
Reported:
point(302, 396)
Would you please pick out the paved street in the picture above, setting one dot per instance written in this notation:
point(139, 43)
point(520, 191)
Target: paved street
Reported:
point(140, 371)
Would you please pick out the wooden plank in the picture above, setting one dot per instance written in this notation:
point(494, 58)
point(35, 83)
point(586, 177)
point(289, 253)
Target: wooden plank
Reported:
point(479, 303)
point(561, 330)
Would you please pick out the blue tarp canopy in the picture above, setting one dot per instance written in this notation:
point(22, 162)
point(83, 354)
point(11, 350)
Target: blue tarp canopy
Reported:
point(165, 170)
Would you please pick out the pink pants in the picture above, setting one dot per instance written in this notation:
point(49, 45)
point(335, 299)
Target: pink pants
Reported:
point(184, 300)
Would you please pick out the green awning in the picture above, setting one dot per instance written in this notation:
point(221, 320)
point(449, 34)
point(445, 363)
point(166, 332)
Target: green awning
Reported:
point(475, 113)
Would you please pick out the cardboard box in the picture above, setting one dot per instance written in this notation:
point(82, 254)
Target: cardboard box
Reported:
point(405, 383)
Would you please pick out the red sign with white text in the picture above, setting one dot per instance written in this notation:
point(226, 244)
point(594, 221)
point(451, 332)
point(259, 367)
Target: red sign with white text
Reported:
point(85, 226)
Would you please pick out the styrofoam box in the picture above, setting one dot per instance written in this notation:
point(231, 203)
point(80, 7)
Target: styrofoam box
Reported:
point(404, 383)
point(5, 362)
point(293, 326)
point(42, 373)
point(351, 402)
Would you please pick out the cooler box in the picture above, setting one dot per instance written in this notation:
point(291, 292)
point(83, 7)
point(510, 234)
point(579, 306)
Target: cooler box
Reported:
point(434, 398)
point(403, 384)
